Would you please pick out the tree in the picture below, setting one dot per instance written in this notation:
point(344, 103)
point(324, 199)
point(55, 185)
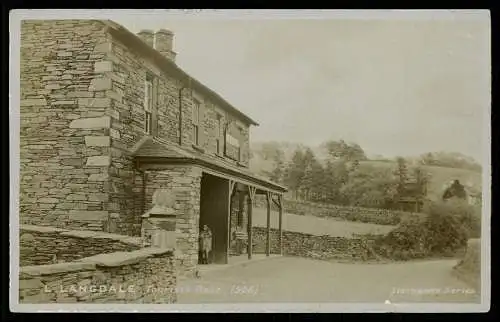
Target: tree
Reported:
point(330, 183)
point(270, 150)
point(402, 174)
point(313, 176)
point(422, 180)
point(369, 186)
point(335, 176)
point(357, 153)
point(278, 172)
point(342, 150)
point(456, 190)
point(295, 172)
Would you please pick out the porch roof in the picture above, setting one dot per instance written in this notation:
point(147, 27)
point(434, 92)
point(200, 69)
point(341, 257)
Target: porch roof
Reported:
point(156, 151)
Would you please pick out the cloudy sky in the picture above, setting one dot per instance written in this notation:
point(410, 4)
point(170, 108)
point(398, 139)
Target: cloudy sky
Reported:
point(394, 86)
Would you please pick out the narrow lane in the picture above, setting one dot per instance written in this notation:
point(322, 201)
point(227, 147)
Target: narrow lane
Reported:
point(290, 279)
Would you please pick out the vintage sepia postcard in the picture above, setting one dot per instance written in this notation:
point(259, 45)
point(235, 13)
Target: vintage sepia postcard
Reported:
point(250, 160)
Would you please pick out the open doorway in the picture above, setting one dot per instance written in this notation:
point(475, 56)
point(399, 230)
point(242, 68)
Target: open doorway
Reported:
point(214, 212)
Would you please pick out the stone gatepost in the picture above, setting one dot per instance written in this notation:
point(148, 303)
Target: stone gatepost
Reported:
point(159, 223)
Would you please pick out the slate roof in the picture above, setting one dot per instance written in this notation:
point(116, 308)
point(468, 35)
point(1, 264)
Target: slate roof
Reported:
point(156, 150)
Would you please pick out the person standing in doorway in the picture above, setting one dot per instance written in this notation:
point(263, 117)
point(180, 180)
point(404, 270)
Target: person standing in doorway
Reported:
point(205, 244)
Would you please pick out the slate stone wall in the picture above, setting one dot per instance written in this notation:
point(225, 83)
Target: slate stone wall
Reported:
point(142, 276)
point(311, 246)
point(64, 124)
point(40, 245)
point(185, 184)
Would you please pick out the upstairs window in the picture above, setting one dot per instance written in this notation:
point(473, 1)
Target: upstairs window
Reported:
point(148, 104)
point(240, 143)
point(196, 121)
point(219, 134)
point(232, 147)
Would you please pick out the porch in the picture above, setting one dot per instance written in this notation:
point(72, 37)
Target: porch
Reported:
point(225, 194)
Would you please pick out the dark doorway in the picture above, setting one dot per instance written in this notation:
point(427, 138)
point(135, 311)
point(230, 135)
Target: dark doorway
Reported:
point(214, 212)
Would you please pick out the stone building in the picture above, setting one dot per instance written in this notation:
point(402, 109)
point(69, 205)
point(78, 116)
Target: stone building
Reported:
point(108, 117)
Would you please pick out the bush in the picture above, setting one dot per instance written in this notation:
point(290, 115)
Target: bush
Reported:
point(467, 215)
point(443, 232)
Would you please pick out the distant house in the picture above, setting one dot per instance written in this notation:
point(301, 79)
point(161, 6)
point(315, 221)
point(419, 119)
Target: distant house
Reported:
point(413, 195)
point(108, 117)
point(472, 195)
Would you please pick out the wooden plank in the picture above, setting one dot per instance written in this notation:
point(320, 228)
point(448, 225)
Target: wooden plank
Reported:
point(268, 235)
point(251, 196)
point(160, 163)
point(228, 235)
point(251, 192)
point(234, 178)
point(274, 201)
point(280, 225)
point(232, 183)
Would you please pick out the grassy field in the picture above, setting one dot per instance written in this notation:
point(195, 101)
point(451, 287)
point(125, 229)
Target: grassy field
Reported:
point(319, 226)
point(439, 177)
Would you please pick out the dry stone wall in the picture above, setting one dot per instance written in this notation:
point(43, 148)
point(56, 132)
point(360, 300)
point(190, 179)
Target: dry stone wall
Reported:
point(142, 276)
point(366, 215)
point(64, 124)
point(39, 245)
point(311, 246)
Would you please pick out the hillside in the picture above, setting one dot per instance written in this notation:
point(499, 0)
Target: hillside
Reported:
point(440, 176)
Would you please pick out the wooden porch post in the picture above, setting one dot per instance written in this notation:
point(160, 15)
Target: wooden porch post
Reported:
point(268, 238)
point(228, 235)
point(251, 196)
point(280, 225)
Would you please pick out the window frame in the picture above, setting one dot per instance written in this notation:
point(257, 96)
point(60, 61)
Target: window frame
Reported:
point(148, 104)
point(220, 135)
point(148, 126)
point(195, 121)
point(236, 155)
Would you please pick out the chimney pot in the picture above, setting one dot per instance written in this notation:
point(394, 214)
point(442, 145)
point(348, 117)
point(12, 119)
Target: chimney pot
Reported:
point(147, 36)
point(164, 43)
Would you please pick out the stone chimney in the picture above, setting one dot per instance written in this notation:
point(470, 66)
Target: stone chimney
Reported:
point(164, 43)
point(147, 36)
